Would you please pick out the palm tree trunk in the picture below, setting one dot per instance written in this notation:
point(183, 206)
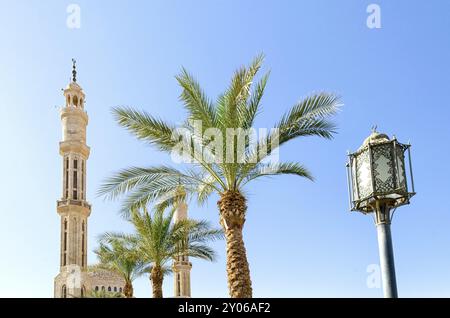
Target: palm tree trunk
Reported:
point(128, 290)
point(156, 277)
point(232, 209)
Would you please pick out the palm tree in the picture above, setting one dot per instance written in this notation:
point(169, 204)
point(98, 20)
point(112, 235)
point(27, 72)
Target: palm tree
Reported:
point(158, 240)
point(119, 256)
point(210, 171)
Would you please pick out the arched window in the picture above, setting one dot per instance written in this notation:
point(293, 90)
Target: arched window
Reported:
point(83, 195)
point(115, 289)
point(75, 179)
point(96, 288)
point(81, 102)
point(68, 98)
point(75, 101)
point(83, 291)
point(103, 288)
point(66, 176)
point(83, 234)
point(63, 291)
point(64, 260)
point(120, 289)
point(178, 284)
point(109, 288)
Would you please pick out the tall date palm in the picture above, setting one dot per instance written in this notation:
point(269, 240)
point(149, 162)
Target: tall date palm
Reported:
point(220, 165)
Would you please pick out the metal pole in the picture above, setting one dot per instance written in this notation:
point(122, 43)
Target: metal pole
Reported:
point(386, 252)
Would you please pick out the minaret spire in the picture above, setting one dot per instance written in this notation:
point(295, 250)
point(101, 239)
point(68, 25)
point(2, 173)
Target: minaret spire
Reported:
point(74, 70)
point(73, 207)
point(181, 266)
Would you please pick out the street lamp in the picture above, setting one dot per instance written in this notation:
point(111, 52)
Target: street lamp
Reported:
point(377, 181)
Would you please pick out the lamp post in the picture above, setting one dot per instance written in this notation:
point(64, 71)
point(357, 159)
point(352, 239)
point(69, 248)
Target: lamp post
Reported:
point(378, 184)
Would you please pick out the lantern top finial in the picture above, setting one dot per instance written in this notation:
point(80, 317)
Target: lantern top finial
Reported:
point(375, 137)
point(374, 128)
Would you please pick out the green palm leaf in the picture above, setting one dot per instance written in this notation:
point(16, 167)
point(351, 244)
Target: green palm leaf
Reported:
point(195, 101)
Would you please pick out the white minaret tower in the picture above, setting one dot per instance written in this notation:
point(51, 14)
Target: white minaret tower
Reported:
point(73, 208)
point(182, 267)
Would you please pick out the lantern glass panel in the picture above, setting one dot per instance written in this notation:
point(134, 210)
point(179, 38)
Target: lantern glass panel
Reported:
point(401, 174)
point(383, 168)
point(353, 178)
point(363, 174)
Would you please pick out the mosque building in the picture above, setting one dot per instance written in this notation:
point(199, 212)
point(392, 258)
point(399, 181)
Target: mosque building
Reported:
point(74, 278)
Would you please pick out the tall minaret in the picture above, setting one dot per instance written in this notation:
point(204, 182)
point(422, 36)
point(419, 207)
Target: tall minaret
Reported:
point(73, 208)
point(182, 267)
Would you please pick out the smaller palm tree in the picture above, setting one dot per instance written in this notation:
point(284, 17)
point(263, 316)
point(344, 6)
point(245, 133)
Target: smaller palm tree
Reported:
point(158, 241)
point(118, 255)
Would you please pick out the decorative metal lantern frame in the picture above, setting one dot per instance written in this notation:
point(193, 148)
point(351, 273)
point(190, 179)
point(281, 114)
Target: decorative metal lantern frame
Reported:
point(377, 172)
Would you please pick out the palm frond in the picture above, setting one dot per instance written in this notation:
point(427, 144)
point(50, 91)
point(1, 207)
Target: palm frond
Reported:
point(319, 105)
point(254, 102)
point(271, 169)
point(147, 128)
point(205, 189)
point(127, 179)
point(201, 251)
point(231, 105)
point(142, 195)
point(307, 118)
point(195, 100)
point(143, 185)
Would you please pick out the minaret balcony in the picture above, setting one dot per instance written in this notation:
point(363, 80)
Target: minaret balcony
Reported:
point(73, 202)
point(182, 264)
point(67, 205)
point(74, 146)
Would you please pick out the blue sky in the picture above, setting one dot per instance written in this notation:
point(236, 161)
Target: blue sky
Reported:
point(300, 237)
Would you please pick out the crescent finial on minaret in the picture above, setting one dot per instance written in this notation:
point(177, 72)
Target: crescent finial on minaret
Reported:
point(74, 71)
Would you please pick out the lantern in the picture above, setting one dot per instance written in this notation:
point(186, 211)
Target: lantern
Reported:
point(377, 173)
